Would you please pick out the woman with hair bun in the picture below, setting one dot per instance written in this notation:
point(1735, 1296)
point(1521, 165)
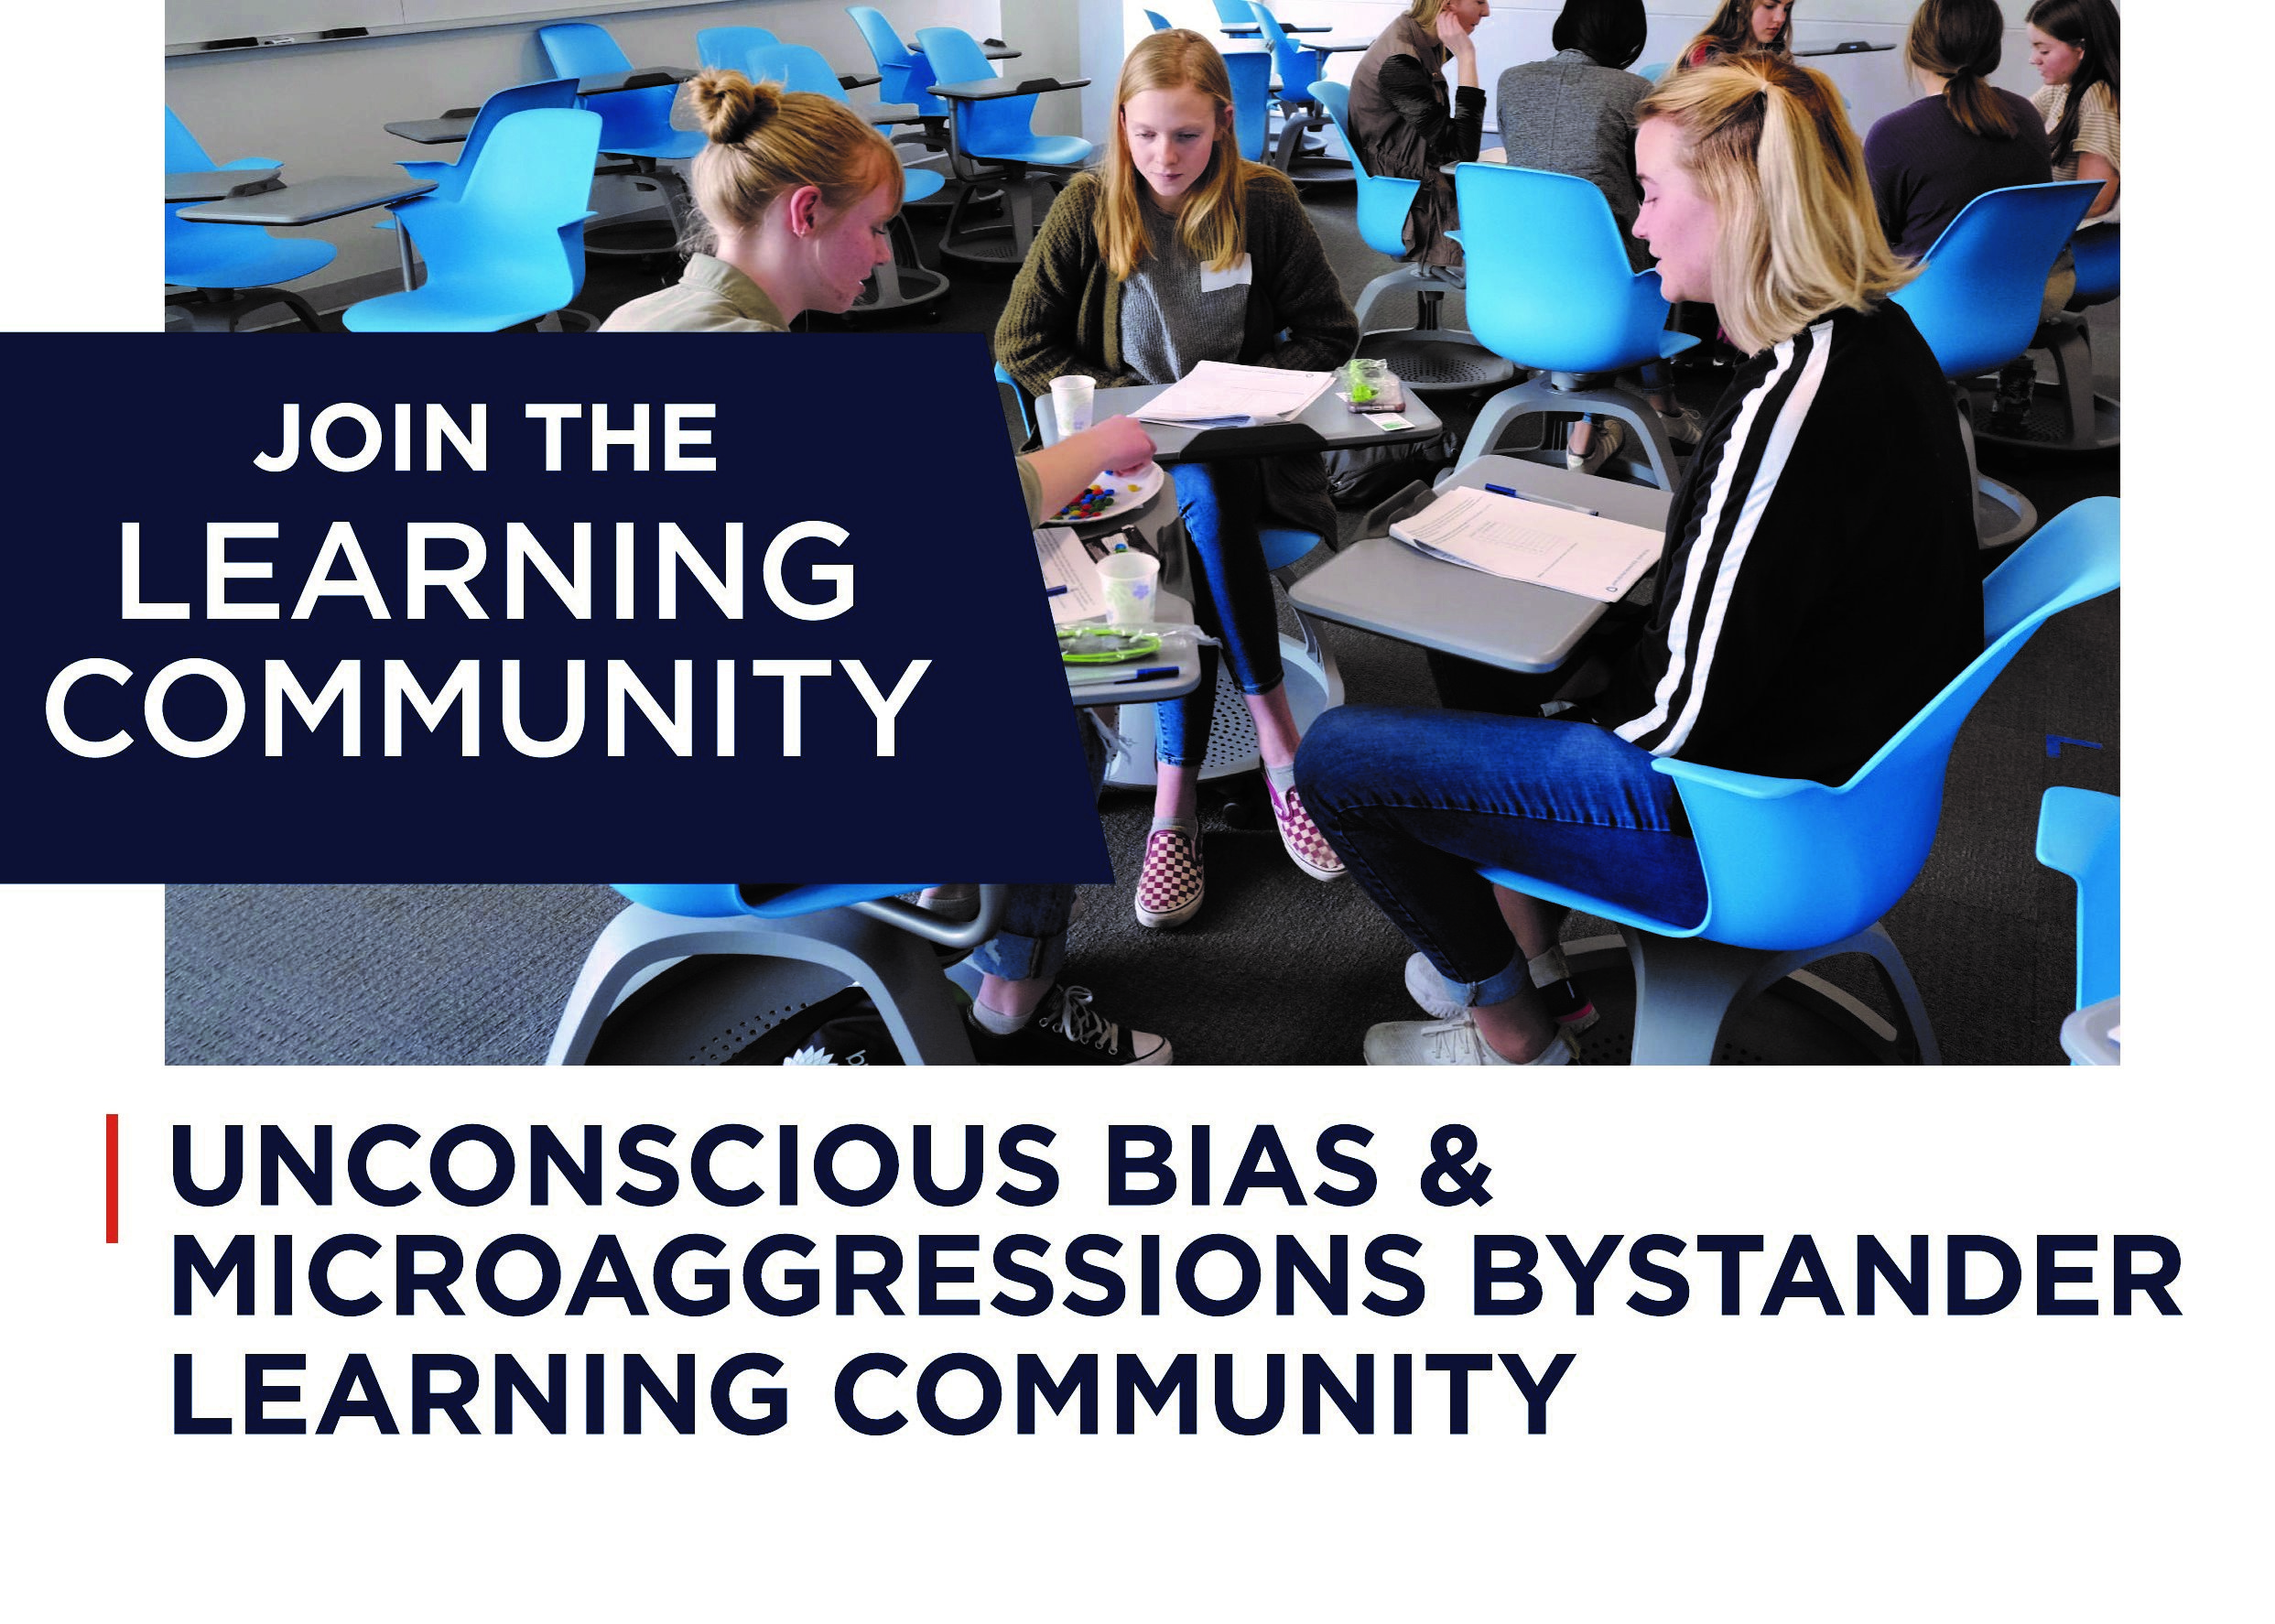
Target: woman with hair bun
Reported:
point(1962, 138)
point(1819, 585)
point(1742, 25)
point(793, 194)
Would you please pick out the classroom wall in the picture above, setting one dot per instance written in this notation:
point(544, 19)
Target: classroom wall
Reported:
point(320, 108)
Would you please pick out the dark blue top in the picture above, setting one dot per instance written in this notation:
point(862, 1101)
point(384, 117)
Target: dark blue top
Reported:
point(1926, 168)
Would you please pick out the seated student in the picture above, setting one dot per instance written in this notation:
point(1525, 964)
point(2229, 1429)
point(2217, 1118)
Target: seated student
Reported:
point(1575, 115)
point(1819, 584)
point(1408, 125)
point(793, 194)
point(2073, 46)
point(1962, 138)
point(1178, 251)
point(1742, 25)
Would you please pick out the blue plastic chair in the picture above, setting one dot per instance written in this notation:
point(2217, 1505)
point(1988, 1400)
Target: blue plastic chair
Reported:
point(1653, 71)
point(2078, 836)
point(995, 142)
point(510, 248)
point(1550, 289)
point(730, 47)
point(1300, 113)
point(1797, 870)
point(635, 125)
point(905, 282)
point(1161, 24)
point(1250, 73)
point(1428, 356)
point(450, 173)
point(2082, 420)
point(818, 937)
point(228, 271)
point(903, 75)
point(1975, 301)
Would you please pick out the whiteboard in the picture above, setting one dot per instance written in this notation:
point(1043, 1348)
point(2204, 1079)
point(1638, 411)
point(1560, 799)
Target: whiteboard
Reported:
point(191, 22)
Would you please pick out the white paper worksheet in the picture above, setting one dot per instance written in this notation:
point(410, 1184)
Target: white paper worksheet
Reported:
point(1532, 541)
point(1065, 564)
point(1219, 392)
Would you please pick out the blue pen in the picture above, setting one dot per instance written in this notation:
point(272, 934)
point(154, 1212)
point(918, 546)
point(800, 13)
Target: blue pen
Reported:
point(1570, 507)
point(1146, 673)
point(1053, 591)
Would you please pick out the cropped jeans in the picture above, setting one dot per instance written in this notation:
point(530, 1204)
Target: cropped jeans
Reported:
point(1222, 504)
point(1031, 938)
point(1416, 801)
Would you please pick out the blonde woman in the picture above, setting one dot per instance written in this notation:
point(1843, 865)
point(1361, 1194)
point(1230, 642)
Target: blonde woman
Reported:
point(1178, 251)
point(1408, 124)
point(794, 192)
point(1819, 584)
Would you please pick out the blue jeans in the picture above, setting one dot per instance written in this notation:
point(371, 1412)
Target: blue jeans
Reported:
point(1222, 504)
point(1416, 801)
point(1030, 939)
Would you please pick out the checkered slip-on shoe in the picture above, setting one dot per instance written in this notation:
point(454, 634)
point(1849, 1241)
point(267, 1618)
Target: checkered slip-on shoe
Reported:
point(1302, 838)
point(1169, 885)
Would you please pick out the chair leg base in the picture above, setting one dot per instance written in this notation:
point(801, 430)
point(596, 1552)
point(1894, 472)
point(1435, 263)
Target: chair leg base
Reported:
point(1692, 1002)
point(1541, 393)
point(1314, 685)
point(899, 972)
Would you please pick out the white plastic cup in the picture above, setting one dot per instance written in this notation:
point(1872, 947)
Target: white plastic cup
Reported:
point(1070, 404)
point(1127, 580)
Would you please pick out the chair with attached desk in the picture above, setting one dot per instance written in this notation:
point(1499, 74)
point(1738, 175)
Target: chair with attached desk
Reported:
point(1798, 871)
point(813, 939)
point(1249, 73)
point(993, 140)
point(509, 247)
point(1300, 67)
point(1550, 290)
point(1428, 356)
point(1975, 301)
point(449, 176)
point(2071, 417)
point(905, 282)
point(635, 125)
point(227, 272)
point(1309, 663)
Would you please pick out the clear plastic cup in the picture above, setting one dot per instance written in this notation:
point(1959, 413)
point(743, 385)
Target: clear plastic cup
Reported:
point(1128, 579)
point(1071, 403)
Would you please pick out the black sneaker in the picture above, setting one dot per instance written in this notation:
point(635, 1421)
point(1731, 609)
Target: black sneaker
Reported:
point(1067, 1031)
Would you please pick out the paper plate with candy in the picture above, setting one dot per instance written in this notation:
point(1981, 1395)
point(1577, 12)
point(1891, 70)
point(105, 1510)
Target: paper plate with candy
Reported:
point(1110, 496)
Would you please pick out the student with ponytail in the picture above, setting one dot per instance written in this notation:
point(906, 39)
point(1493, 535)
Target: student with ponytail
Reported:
point(1818, 586)
point(1962, 138)
point(792, 195)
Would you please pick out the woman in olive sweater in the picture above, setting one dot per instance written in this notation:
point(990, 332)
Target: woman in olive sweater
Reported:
point(1176, 252)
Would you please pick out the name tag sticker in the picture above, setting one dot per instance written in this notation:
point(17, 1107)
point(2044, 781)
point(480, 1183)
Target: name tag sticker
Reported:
point(1239, 275)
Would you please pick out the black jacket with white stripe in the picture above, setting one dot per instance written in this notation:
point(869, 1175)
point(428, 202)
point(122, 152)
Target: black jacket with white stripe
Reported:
point(1820, 581)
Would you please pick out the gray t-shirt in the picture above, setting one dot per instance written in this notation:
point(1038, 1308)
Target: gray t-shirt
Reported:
point(1168, 324)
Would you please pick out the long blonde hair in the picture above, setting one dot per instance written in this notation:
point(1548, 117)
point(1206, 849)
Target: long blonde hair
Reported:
point(1771, 149)
point(765, 141)
point(1213, 222)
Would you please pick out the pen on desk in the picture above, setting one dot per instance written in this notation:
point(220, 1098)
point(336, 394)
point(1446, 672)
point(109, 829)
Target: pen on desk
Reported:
point(1057, 592)
point(1571, 507)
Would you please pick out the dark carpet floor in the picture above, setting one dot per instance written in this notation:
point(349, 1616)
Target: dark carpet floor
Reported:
point(1278, 969)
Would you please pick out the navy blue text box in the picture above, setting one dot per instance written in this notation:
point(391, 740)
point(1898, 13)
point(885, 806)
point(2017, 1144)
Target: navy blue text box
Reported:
point(148, 669)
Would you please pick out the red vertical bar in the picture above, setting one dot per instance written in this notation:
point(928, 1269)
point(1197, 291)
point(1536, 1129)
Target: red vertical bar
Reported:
point(110, 1179)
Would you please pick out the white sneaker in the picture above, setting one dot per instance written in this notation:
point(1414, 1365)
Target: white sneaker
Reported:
point(1609, 435)
point(1457, 1042)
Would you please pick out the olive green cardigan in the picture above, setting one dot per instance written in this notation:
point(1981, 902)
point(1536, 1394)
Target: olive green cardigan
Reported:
point(1065, 315)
